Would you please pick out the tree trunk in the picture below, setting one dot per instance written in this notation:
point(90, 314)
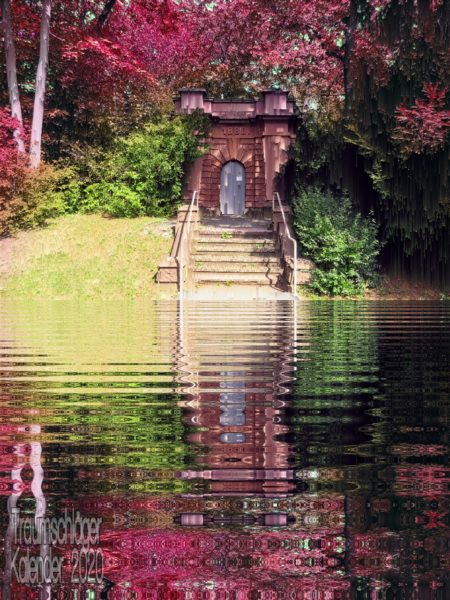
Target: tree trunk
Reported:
point(41, 78)
point(109, 5)
point(11, 70)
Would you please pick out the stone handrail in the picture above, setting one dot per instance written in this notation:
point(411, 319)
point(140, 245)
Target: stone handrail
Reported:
point(183, 250)
point(171, 268)
point(288, 243)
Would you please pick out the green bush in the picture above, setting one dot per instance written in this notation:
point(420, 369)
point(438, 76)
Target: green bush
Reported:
point(142, 174)
point(113, 199)
point(38, 196)
point(69, 187)
point(343, 245)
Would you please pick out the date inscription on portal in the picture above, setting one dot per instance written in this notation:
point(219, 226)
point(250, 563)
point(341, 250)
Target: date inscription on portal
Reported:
point(236, 131)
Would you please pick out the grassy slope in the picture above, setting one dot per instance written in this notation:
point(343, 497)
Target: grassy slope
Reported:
point(85, 256)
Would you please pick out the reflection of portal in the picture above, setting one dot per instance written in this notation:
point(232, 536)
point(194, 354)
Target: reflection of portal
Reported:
point(232, 438)
point(232, 405)
point(232, 188)
point(239, 369)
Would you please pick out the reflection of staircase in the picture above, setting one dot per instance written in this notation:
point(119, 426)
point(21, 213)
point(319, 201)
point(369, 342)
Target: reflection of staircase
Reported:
point(236, 250)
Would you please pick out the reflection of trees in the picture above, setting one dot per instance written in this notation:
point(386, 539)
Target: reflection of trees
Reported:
point(414, 355)
point(370, 434)
point(99, 376)
point(370, 418)
point(24, 454)
point(137, 439)
point(336, 382)
point(410, 439)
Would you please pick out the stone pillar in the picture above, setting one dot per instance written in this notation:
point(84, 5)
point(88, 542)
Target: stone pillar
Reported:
point(191, 99)
point(275, 102)
point(193, 181)
point(277, 141)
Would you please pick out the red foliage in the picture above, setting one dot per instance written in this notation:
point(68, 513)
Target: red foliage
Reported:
point(375, 56)
point(13, 170)
point(423, 127)
point(10, 162)
point(247, 45)
point(147, 49)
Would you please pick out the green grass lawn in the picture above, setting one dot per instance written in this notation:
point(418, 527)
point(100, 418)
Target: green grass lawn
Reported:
point(85, 256)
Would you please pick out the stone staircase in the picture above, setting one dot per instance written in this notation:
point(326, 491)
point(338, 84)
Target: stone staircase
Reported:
point(236, 250)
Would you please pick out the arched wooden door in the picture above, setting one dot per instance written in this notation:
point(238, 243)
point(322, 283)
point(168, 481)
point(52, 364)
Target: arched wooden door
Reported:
point(232, 188)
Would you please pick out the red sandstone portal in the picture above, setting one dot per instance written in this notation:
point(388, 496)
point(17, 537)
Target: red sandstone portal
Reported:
point(255, 134)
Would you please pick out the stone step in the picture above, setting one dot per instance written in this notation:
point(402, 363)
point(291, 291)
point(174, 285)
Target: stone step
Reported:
point(233, 239)
point(234, 278)
point(237, 267)
point(243, 257)
point(235, 231)
point(236, 222)
point(233, 248)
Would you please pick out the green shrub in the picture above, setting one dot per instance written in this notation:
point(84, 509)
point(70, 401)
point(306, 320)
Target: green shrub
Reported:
point(69, 186)
point(142, 173)
point(112, 200)
point(343, 245)
point(40, 195)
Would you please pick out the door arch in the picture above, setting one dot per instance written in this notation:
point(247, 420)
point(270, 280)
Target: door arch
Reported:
point(232, 188)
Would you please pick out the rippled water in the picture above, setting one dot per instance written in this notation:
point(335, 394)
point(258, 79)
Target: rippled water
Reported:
point(226, 451)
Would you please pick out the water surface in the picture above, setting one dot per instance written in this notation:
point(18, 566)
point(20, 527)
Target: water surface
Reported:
point(227, 450)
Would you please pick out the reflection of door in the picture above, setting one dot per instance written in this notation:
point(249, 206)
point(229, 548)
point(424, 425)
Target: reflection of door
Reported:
point(232, 189)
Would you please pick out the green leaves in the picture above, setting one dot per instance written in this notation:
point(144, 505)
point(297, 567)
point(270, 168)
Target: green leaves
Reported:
point(112, 199)
point(142, 174)
point(343, 245)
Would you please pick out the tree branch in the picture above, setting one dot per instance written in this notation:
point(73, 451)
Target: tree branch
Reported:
point(107, 9)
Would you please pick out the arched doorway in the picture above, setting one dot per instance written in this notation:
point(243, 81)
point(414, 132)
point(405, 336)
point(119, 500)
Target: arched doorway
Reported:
point(232, 188)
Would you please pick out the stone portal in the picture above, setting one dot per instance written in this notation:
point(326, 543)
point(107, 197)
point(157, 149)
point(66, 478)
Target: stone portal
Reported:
point(248, 145)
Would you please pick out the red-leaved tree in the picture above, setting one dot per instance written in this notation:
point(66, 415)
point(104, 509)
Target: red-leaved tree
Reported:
point(10, 160)
point(424, 126)
point(13, 168)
